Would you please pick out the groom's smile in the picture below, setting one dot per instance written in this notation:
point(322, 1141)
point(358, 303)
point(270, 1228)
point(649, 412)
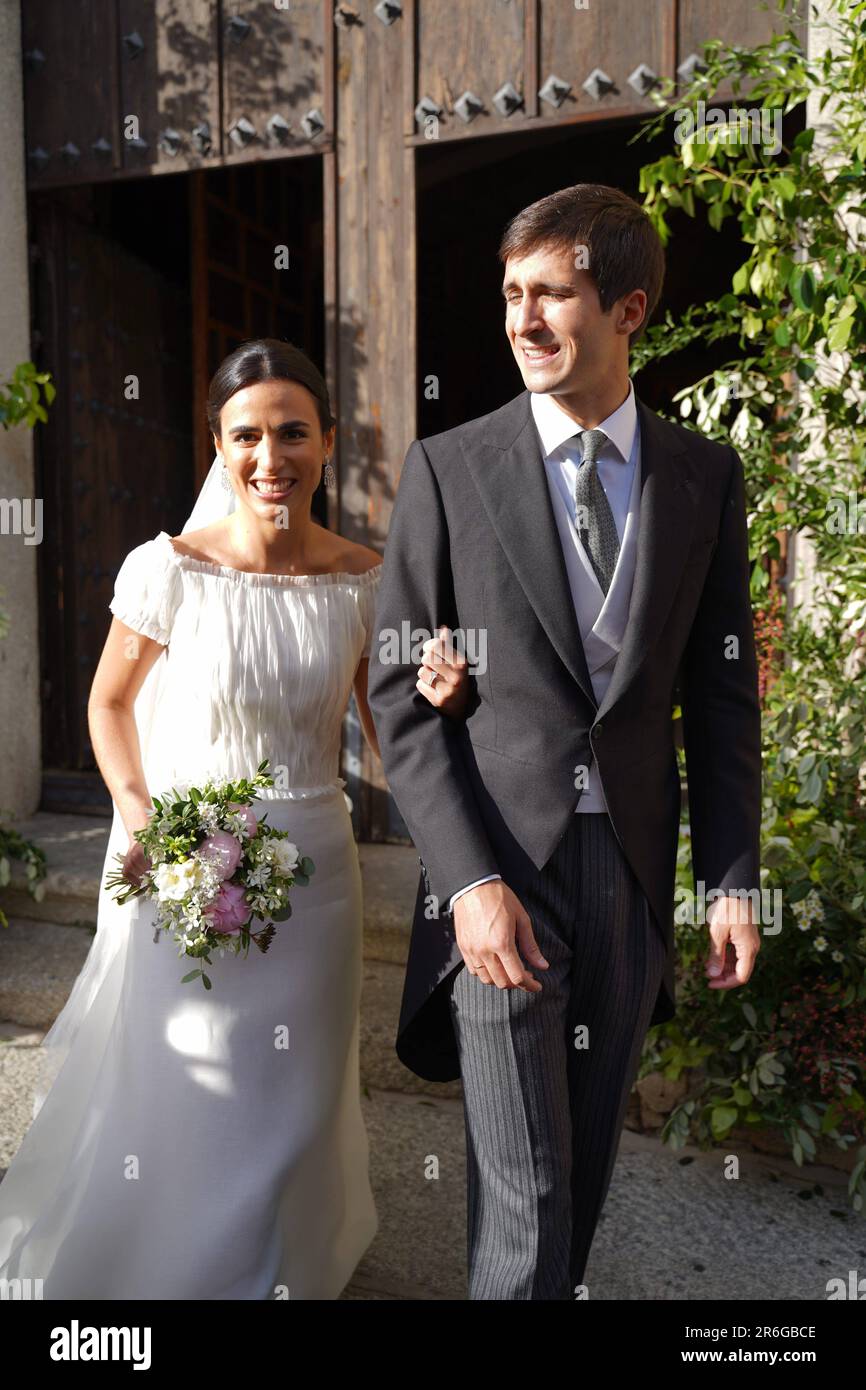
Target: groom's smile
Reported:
point(537, 355)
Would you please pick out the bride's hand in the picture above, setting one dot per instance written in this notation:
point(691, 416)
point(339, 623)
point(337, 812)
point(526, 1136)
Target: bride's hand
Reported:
point(450, 673)
point(135, 863)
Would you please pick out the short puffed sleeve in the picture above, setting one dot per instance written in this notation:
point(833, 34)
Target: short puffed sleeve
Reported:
point(367, 594)
point(148, 589)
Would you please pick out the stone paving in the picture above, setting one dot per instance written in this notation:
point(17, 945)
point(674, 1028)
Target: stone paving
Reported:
point(674, 1227)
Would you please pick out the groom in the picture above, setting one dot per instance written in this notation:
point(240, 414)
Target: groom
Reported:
point(598, 557)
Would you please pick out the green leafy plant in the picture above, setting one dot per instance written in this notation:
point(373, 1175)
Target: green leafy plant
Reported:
point(789, 399)
point(14, 846)
point(20, 402)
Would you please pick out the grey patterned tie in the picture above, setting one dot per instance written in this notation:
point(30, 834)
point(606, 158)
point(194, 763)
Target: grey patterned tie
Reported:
point(594, 518)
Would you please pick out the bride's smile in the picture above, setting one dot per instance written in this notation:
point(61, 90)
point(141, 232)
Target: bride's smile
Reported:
point(273, 488)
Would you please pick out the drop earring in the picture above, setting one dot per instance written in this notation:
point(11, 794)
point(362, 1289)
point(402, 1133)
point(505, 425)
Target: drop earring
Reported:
point(225, 479)
point(329, 475)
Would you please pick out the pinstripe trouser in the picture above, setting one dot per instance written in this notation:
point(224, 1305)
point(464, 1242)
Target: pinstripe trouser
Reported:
point(544, 1104)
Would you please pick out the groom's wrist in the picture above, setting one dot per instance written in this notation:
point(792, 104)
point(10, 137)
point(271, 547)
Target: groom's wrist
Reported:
point(459, 894)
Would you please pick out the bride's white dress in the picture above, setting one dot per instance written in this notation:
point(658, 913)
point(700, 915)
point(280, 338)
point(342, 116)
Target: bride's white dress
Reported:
point(179, 1152)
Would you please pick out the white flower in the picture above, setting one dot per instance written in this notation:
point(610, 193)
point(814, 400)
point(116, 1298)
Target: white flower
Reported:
point(808, 910)
point(286, 856)
point(235, 823)
point(837, 956)
point(820, 943)
point(175, 881)
point(178, 791)
point(813, 906)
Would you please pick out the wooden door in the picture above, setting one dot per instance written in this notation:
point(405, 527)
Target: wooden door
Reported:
point(114, 462)
point(257, 270)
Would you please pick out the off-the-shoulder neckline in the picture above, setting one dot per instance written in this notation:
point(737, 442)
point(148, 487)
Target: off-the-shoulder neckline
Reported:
point(289, 580)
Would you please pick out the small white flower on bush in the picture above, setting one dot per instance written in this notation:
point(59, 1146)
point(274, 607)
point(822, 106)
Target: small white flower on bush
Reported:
point(808, 911)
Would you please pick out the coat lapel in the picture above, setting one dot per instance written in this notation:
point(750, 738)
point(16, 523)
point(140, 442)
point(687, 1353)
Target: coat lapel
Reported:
point(508, 470)
point(670, 486)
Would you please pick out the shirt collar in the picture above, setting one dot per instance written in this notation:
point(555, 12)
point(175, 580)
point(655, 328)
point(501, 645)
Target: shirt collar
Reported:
point(555, 427)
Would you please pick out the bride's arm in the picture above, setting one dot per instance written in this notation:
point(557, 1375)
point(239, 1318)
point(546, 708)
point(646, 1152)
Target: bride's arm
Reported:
point(359, 685)
point(451, 695)
point(125, 661)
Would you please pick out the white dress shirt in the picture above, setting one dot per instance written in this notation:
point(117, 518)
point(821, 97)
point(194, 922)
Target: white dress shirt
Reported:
point(601, 618)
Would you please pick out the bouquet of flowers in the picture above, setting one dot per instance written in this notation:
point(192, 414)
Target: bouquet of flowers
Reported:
point(214, 866)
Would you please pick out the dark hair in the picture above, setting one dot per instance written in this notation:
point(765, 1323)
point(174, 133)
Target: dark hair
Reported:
point(624, 250)
point(266, 359)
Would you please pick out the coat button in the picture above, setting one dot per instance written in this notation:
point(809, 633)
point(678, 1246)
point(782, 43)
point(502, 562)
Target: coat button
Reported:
point(598, 729)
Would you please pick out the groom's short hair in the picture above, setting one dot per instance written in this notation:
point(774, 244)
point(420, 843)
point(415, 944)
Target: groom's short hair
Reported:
point(623, 249)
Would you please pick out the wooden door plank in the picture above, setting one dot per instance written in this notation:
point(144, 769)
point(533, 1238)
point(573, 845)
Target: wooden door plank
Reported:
point(170, 84)
point(273, 70)
point(70, 94)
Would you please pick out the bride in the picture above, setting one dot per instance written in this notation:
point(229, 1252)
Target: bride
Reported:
point(177, 1151)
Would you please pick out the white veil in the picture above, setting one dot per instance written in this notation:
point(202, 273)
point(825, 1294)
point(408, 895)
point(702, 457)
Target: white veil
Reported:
point(213, 502)
point(94, 1000)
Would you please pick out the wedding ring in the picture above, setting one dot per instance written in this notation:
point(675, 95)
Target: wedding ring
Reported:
point(433, 678)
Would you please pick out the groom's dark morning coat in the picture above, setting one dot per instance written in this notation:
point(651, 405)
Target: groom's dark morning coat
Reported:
point(473, 543)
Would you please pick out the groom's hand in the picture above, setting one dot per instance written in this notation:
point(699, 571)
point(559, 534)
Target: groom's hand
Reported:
point(734, 943)
point(490, 923)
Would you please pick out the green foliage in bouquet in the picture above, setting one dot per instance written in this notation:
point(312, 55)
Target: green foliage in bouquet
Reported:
point(174, 833)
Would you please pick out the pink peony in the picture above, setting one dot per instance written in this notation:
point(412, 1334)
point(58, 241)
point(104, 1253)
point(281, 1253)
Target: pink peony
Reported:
point(229, 910)
point(223, 851)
